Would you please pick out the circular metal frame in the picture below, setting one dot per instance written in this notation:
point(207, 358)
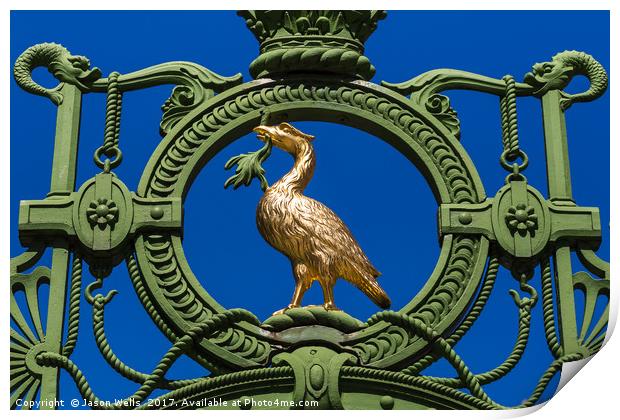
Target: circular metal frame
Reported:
point(180, 299)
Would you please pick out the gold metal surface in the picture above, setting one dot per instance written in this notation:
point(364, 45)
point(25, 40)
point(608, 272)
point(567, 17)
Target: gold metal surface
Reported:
point(316, 241)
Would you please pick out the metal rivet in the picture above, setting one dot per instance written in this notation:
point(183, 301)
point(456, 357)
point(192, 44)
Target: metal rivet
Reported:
point(157, 212)
point(386, 402)
point(465, 218)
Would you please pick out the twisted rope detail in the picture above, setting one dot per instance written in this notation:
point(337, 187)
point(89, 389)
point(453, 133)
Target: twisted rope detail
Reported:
point(478, 396)
point(74, 306)
point(363, 372)
point(474, 313)
point(112, 113)
point(357, 372)
point(465, 376)
point(430, 335)
point(195, 333)
point(525, 307)
point(137, 281)
point(554, 368)
point(340, 60)
point(109, 356)
point(110, 149)
point(218, 382)
point(548, 312)
point(508, 108)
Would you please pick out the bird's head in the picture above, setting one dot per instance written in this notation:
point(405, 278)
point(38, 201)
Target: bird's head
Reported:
point(284, 136)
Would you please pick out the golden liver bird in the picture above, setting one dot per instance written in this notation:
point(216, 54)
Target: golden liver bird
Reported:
point(318, 244)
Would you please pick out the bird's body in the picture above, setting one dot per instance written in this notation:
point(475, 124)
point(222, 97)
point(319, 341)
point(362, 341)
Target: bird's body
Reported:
point(316, 241)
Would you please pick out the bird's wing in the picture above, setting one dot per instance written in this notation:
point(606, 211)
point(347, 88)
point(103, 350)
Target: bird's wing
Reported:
point(330, 237)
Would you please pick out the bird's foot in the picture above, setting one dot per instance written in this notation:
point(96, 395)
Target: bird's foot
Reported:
point(330, 307)
point(281, 311)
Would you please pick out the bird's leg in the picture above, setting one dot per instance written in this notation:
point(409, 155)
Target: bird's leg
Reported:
point(328, 294)
point(302, 283)
point(298, 295)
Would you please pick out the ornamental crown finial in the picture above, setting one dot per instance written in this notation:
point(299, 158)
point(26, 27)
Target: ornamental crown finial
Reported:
point(312, 40)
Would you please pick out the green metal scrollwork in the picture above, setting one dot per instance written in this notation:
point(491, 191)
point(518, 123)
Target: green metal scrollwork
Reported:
point(195, 84)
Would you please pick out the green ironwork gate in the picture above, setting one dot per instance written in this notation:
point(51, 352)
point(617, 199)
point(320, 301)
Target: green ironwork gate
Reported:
point(311, 67)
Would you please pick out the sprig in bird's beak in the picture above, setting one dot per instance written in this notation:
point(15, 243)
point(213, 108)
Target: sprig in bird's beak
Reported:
point(263, 132)
point(249, 165)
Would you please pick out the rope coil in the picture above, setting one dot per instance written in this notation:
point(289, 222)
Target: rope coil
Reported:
point(74, 306)
point(117, 364)
point(485, 292)
point(510, 134)
point(153, 380)
point(109, 149)
point(548, 310)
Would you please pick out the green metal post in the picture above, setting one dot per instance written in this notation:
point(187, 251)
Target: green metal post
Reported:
point(556, 150)
point(560, 193)
point(66, 142)
point(63, 183)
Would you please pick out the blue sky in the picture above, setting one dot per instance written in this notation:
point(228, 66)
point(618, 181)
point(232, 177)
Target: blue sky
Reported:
point(383, 198)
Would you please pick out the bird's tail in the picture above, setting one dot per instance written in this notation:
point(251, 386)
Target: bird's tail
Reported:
point(372, 289)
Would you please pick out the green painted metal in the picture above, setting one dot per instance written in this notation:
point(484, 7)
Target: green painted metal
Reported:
point(312, 41)
point(311, 67)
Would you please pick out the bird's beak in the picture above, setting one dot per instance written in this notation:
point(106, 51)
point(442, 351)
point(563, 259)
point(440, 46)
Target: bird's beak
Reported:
point(263, 132)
